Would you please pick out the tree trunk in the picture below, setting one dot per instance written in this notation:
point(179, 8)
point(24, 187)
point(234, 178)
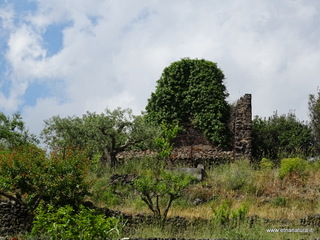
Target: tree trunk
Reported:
point(109, 157)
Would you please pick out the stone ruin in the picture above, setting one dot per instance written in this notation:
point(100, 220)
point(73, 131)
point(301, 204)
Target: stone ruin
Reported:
point(242, 125)
point(192, 148)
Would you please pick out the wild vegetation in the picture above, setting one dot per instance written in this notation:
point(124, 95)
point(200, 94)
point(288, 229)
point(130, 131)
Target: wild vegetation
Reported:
point(241, 199)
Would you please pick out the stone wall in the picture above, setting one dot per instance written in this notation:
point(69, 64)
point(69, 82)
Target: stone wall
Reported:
point(14, 218)
point(192, 155)
point(242, 124)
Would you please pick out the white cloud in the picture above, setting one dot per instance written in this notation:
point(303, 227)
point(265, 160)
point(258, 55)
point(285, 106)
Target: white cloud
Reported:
point(114, 51)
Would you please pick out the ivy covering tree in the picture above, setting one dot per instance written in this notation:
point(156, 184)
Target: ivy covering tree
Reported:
point(192, 91)
point(314, 108)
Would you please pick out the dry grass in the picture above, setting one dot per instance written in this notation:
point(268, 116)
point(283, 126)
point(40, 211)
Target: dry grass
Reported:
point(269, 196)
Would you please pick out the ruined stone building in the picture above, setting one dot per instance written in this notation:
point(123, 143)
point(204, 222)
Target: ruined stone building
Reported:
point(191, 147)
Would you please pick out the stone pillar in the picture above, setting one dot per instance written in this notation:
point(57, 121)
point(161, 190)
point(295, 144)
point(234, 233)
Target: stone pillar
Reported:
point(243, 128)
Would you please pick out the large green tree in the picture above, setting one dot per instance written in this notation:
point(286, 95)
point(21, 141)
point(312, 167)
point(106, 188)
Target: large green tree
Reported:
point(105, 134)
point(281, 136)
point(13, 132)
point(192, 91)
point(314, 108)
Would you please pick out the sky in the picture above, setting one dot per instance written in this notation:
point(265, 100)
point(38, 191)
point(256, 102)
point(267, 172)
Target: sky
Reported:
point(67, 57)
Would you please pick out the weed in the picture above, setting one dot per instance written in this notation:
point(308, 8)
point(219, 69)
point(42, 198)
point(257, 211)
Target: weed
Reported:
point(266, 164)
point(279, 201)
point(295, 166)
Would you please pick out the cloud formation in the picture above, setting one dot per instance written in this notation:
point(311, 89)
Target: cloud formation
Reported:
point(89, 55)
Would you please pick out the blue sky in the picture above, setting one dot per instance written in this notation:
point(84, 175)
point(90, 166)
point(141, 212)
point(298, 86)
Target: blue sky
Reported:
point(66, 57)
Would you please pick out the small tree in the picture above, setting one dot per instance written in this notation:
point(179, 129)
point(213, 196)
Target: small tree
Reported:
point(27, 176)
point(156, 188)
point(314, 108)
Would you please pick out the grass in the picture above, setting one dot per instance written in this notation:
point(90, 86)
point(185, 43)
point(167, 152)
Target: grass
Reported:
point(210, 231)
point(268, 196)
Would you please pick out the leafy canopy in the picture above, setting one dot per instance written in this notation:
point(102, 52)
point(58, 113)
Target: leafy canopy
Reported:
point(281, 136)
point(192, 91)
point(104, 134)
point(13, 132)
point(28, 176)
point(157, 187)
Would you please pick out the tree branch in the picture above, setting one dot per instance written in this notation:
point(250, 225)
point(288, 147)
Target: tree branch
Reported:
point(148, 201)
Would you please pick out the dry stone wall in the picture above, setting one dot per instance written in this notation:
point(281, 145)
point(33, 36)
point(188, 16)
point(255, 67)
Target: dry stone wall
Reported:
point(14, 218)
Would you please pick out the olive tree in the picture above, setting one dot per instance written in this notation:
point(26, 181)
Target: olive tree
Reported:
point(192, 91)
point(13, 132)
point(105, 134)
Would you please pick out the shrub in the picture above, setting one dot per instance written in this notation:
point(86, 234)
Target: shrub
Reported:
point(104, 194)
point(66, 223)
point(225, 215)
point(290, 166)
point(238, 175)
point(281, 136)
point(28, 176)
point(266, 164)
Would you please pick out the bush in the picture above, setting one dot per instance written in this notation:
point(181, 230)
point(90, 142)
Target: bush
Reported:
point(225, 215)
point(104, 194)
point(281, 136)
point(291, 166)
point(66, 223)
point(27, 176)
point(237, 175)
point(266, 164)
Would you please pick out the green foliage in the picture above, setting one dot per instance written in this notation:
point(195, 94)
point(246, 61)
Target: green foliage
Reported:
point(314, 110)
point(13, 132)
point(234, 176)
point(279, 201)
point(28, 176)
point(163, 142)
point(155, 188)
point(225, 214)
point(281, 136)
point(104, 194)
point(66, 223)
point(192, 91)
point(104, 134)
point(266, 164)
point(295, 166)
